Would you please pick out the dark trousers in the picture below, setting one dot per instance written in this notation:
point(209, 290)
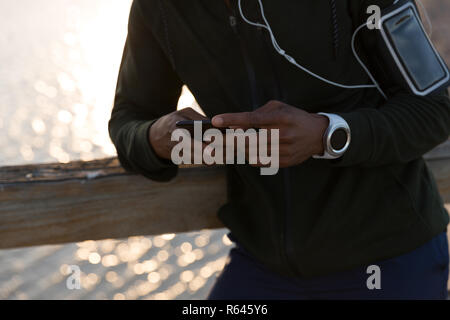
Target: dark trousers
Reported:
point(419, 274)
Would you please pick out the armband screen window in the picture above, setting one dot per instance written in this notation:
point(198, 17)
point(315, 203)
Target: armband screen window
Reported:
point(421, 67)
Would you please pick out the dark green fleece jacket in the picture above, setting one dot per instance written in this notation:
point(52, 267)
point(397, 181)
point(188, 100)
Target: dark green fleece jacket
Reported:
point(323, 216)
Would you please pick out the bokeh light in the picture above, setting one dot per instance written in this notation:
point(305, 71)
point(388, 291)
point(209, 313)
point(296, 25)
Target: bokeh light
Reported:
point(61, 64)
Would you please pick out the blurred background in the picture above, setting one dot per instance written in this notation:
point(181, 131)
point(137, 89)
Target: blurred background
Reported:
point(58, 68)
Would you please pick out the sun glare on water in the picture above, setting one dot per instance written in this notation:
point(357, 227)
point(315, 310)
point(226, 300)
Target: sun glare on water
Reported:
point(95, 51)
point(69, 57)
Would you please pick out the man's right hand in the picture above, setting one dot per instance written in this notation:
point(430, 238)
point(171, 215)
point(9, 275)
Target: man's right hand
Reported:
point(160, 132)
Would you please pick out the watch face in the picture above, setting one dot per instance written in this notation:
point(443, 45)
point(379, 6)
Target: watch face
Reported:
point(338, 139)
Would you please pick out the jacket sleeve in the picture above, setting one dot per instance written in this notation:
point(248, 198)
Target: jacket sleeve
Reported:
point(398, 130)
point(147, 89)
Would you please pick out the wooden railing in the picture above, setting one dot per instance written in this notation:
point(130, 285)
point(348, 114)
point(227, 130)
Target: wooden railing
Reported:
point(60, 203)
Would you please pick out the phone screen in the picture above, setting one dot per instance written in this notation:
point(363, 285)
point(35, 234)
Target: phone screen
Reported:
point(416, 53)
point(189, 125)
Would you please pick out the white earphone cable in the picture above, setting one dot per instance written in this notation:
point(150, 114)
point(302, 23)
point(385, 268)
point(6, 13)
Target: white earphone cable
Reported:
point(294, 62)
point(315, 75)
point(355, 54)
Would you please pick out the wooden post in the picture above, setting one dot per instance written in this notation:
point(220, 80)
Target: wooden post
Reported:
point(59, 203)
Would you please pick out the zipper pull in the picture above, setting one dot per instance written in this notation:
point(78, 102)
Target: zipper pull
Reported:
point(233, 23)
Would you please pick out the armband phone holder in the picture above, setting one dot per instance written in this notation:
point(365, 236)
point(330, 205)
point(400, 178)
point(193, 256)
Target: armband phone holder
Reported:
point(408, 54)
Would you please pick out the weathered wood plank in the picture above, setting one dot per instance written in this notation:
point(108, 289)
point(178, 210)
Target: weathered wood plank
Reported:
point(438, 161)
point(441, 173)
point(440, 152)
point(60, 171)
point(60, 203)
point(98, 200)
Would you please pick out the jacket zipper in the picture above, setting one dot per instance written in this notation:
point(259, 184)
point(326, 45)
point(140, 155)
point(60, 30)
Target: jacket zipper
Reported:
point(286, 245)
point(286, 235)
point(248, 64)
point(287, 251)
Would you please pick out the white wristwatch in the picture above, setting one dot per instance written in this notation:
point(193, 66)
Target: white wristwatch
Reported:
point(336, 138)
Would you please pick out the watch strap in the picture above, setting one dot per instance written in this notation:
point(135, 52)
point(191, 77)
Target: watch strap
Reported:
point(335, 122)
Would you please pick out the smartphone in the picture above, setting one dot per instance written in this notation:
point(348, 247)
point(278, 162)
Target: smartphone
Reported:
point(189, 125)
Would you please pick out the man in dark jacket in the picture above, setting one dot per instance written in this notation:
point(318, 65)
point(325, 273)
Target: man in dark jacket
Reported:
point(320, 228)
